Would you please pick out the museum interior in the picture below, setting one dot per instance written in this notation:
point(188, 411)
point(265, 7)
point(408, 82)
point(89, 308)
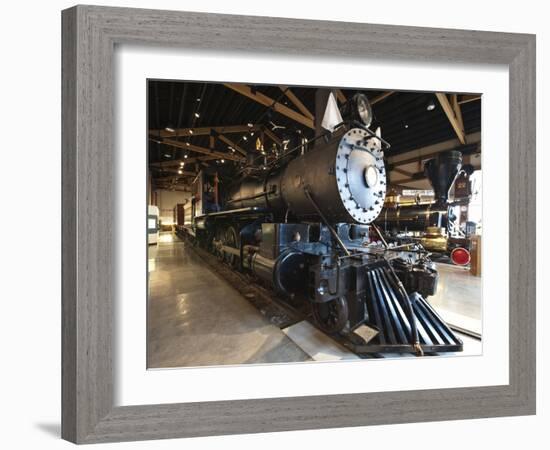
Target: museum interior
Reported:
point(290, 224)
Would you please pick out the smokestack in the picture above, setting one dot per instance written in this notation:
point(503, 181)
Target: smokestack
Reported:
point(442, 171)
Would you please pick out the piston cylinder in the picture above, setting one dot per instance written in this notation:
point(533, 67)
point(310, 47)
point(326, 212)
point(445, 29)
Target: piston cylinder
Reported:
point(286, 273)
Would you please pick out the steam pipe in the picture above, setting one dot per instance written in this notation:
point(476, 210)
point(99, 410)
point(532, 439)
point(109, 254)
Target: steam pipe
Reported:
point(332, 230)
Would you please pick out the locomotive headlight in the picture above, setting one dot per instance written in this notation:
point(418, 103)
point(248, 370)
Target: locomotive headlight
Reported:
point(371, 176)
point(363, 108)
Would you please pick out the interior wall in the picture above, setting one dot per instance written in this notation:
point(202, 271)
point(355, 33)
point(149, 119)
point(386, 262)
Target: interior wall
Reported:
point(166, 202)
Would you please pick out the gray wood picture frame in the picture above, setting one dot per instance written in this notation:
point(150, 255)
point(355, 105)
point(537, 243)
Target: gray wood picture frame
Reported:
point(90, 34)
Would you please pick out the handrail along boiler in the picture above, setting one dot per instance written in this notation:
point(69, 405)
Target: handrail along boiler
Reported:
point(304, 226)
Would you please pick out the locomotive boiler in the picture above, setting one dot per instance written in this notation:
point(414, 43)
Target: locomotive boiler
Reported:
point(304, 227)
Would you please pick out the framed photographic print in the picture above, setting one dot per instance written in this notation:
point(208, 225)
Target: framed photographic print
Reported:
point(268, 230)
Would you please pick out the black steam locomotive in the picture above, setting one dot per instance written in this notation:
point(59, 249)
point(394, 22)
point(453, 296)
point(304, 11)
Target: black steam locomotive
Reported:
point(304, 226)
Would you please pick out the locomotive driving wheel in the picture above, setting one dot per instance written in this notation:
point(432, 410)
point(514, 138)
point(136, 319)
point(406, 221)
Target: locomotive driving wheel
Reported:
point(231, 239)
point(219, 240)
point(331, 316)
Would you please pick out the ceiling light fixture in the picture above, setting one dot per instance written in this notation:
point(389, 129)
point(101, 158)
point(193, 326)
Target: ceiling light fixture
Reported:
point(250, 125)
point(430, 106)
point(180, 172)
point(197, 115)
point(190, 131)
point(185, 156)
point(169, 129)
point(245, 138)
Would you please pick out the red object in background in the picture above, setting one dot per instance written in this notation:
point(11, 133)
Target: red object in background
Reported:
point(460, 256)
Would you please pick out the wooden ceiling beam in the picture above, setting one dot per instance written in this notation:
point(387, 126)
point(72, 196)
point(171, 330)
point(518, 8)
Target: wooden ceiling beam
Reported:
point(411, 177)
point(458, 112)
point(271, 135)
point(422, 153)
point(176, 162)
point(179, 188)
point(341, 96)
point(297, 102)
point(421, 175)
point(419, 158)
point(380, 97)
point(204, 151)
point(184, 173)
point(402, 172)
point(202, 131)
point(451, 115)
point(468, 98)
point(172, 185)
point(232, 144)
point(263, 99)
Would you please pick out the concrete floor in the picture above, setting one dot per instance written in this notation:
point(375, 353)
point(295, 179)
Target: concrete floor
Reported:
point(196, 318)
point(458, 297)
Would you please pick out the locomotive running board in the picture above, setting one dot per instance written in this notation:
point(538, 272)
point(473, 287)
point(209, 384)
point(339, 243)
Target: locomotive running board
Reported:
point(387, 313)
